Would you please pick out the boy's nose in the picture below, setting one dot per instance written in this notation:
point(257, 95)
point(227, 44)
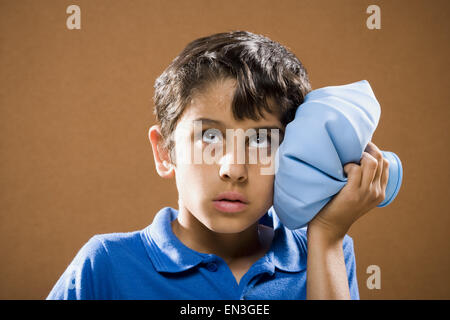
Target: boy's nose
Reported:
point(232, 170)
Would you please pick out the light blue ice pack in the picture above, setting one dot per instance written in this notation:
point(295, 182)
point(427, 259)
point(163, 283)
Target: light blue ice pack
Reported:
point(331, 128)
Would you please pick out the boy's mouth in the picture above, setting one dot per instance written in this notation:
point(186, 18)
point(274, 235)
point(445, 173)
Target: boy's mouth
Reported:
point(231, 196)
point(230, 202)
point(229, 206)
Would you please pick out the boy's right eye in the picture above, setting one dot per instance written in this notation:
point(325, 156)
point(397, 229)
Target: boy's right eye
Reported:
point(212, 136)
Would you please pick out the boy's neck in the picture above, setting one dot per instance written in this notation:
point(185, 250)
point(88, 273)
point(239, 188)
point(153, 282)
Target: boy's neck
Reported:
point(252, 242)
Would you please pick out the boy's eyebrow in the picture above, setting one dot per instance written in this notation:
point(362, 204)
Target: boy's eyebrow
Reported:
point(221, 124)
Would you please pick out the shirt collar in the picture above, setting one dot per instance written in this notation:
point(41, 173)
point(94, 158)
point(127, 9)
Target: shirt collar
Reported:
point(169, 254)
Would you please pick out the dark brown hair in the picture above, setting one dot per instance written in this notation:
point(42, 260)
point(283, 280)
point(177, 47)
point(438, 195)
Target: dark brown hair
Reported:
point(264, 70)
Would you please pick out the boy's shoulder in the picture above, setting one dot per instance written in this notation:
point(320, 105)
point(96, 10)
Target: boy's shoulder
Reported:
point(119, 249)
point(93, 272)
point(116, 238)
point(112, 244)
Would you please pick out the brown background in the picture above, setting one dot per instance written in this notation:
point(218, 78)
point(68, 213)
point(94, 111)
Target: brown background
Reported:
point(76, 106)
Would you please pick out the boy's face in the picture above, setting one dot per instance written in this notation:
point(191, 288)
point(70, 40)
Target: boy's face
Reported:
point(199, 183)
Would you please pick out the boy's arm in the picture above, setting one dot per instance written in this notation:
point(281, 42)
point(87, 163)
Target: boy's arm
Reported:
point(333, 268)
point(365, 189)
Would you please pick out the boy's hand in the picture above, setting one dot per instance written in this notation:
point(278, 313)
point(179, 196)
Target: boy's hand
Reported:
point(365, 189)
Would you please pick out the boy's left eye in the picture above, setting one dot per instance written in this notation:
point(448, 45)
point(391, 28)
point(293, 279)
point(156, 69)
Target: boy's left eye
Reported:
point(258, 141)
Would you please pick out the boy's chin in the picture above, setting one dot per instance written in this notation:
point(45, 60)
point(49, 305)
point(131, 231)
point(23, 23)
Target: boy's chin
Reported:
point(227, 227)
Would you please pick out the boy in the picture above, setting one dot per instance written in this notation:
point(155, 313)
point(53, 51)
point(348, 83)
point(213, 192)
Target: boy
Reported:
point(225, 241)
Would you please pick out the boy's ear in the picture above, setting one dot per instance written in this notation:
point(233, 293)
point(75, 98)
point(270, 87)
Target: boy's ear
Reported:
point(164, 167)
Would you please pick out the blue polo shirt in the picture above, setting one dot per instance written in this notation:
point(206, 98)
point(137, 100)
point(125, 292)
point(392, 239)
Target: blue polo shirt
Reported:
point(154, 264)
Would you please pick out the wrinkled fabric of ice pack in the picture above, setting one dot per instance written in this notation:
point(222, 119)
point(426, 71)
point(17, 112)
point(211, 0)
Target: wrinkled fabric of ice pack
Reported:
point(331, 128)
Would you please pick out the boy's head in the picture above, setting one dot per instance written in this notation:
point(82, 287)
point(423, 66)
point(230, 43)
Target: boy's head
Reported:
point(243, 81)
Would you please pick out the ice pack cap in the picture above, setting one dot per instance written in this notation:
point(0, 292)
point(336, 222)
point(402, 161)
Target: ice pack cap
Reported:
point(331, 128)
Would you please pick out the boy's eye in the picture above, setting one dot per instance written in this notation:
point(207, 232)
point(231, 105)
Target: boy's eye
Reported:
point(259, 141)
point(212, 136)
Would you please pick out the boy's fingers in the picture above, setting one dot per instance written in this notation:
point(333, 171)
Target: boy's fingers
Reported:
point(369, 168)
point(374, 151)
point(353, 172)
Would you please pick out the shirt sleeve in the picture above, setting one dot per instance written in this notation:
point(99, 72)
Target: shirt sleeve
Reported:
point(87, 277)
point(350, 265)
